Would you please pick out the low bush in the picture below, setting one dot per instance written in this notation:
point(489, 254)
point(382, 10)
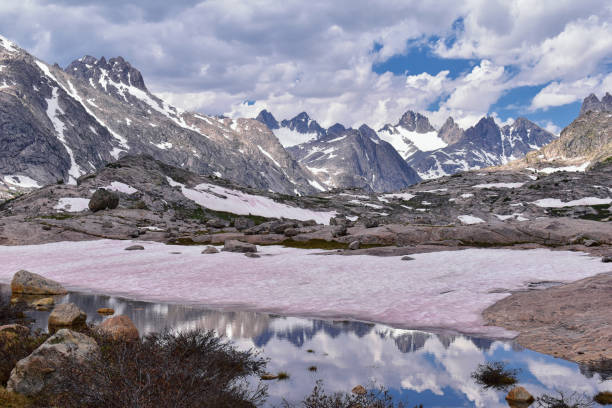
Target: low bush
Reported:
point(562, 400)
point(182, 370)
point(495, 375)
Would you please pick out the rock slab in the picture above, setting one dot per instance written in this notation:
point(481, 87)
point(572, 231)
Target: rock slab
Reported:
point(28, 283)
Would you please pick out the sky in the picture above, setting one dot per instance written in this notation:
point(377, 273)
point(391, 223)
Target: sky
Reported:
point(346, 61)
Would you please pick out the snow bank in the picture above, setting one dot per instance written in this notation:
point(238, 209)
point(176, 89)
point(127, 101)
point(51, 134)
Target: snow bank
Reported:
point(21, 181)
point(224, 199)
point(498, 185)
point(121, 187)
point(72, 204)
point(470, 219)
point(446, 289)
point(557, 203)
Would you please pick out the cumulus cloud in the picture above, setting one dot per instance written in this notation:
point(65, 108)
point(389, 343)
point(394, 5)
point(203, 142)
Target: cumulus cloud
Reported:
point(560, 93)
point(211, 56)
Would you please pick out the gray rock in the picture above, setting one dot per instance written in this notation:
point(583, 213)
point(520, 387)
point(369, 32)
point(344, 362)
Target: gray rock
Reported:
point(103, 199)
point(243, 223)
point(210, 250)
point(291, 232)
point(217, 223)
point(606, 259)
point(369, 222)
point(40, 369)
point(29, 283)
point(590, 243)
point(233, 245)
point(66, 315)
point(354, 245)
point(134, 248)
point(339, 231)
point(407, 258)
point(251, 255)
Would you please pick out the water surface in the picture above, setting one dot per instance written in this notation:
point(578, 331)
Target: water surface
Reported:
point(418, 367)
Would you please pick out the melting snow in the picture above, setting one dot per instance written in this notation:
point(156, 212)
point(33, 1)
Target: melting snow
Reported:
point(549, 170)
point(224, 199)
point(316, 185)
point(72, 204)
point(163, 145)
point(401, 196)
point(467, 195)
point(405, 141)
point(121, 187)
point(52, 112)
point(288, 137)
point(515, 216)
point(557, 203)
point(21, 181)
point(499, 185)
point(470, 219)
point(268, 155)
point(291, 281)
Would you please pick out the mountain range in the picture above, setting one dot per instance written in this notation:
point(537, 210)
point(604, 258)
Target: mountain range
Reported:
point(59, 125)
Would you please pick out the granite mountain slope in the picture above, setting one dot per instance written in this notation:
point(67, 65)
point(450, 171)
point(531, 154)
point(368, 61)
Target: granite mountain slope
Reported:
point(61, 124)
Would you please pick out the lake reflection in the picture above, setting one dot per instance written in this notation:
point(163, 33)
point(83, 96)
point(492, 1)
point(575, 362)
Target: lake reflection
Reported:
point(418, 367)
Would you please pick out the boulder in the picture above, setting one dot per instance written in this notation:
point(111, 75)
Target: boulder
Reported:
point(280, 226)
point(370, 222)
point(243, 223)
point(309, 223)
point(103, 199)
point(217, 223)
point(29, 283)
point(590, 243)
point(233, 245)
point(251, 255)
point(43, 303)
point(210, 250)
point(14, 329)
point(354, 245)
point(339, 231)
point(407, 258)
point(40, 369)
point(66, 315)
point(134, 248)
point(291, 232)
point(606, 259)
point(519, 395)
point(106, 311)
point(359, 390)
point(119, 328)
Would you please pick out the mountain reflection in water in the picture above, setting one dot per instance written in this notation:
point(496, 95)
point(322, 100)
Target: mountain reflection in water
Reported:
point(416, 366)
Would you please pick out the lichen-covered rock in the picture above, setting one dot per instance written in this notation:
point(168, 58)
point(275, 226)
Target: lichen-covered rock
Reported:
point(106, 311)
point(119, 328)
point(40, 369)
point(28, 283)
point(103, 199)
point(233, 245)
point(66, 315)
point(519, 395)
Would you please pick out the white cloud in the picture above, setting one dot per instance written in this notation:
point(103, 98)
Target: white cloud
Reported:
point(317, 56)
point(561, 93)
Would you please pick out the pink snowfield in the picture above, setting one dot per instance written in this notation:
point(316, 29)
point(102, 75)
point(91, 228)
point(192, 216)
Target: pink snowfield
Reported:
point(442, 290)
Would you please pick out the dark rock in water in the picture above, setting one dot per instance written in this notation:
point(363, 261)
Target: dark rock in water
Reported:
point(606, 259)
point(103, 199)
point(66, 315)
point(40, 369)
point(519, 395)
point(251, 255)
point(359, 390)
point(233, 245)
point(210, 250)
point(354, 245)
point(407, 258)
point(134, 248)
point(29, 283)
point(119, 328)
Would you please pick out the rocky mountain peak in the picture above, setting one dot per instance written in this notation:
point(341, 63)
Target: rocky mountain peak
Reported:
point(336, 129)
point(302, 123)
point(268, 119)
point(99, 71)
point(592, 103)
point(450, 132)
point(415, 122)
